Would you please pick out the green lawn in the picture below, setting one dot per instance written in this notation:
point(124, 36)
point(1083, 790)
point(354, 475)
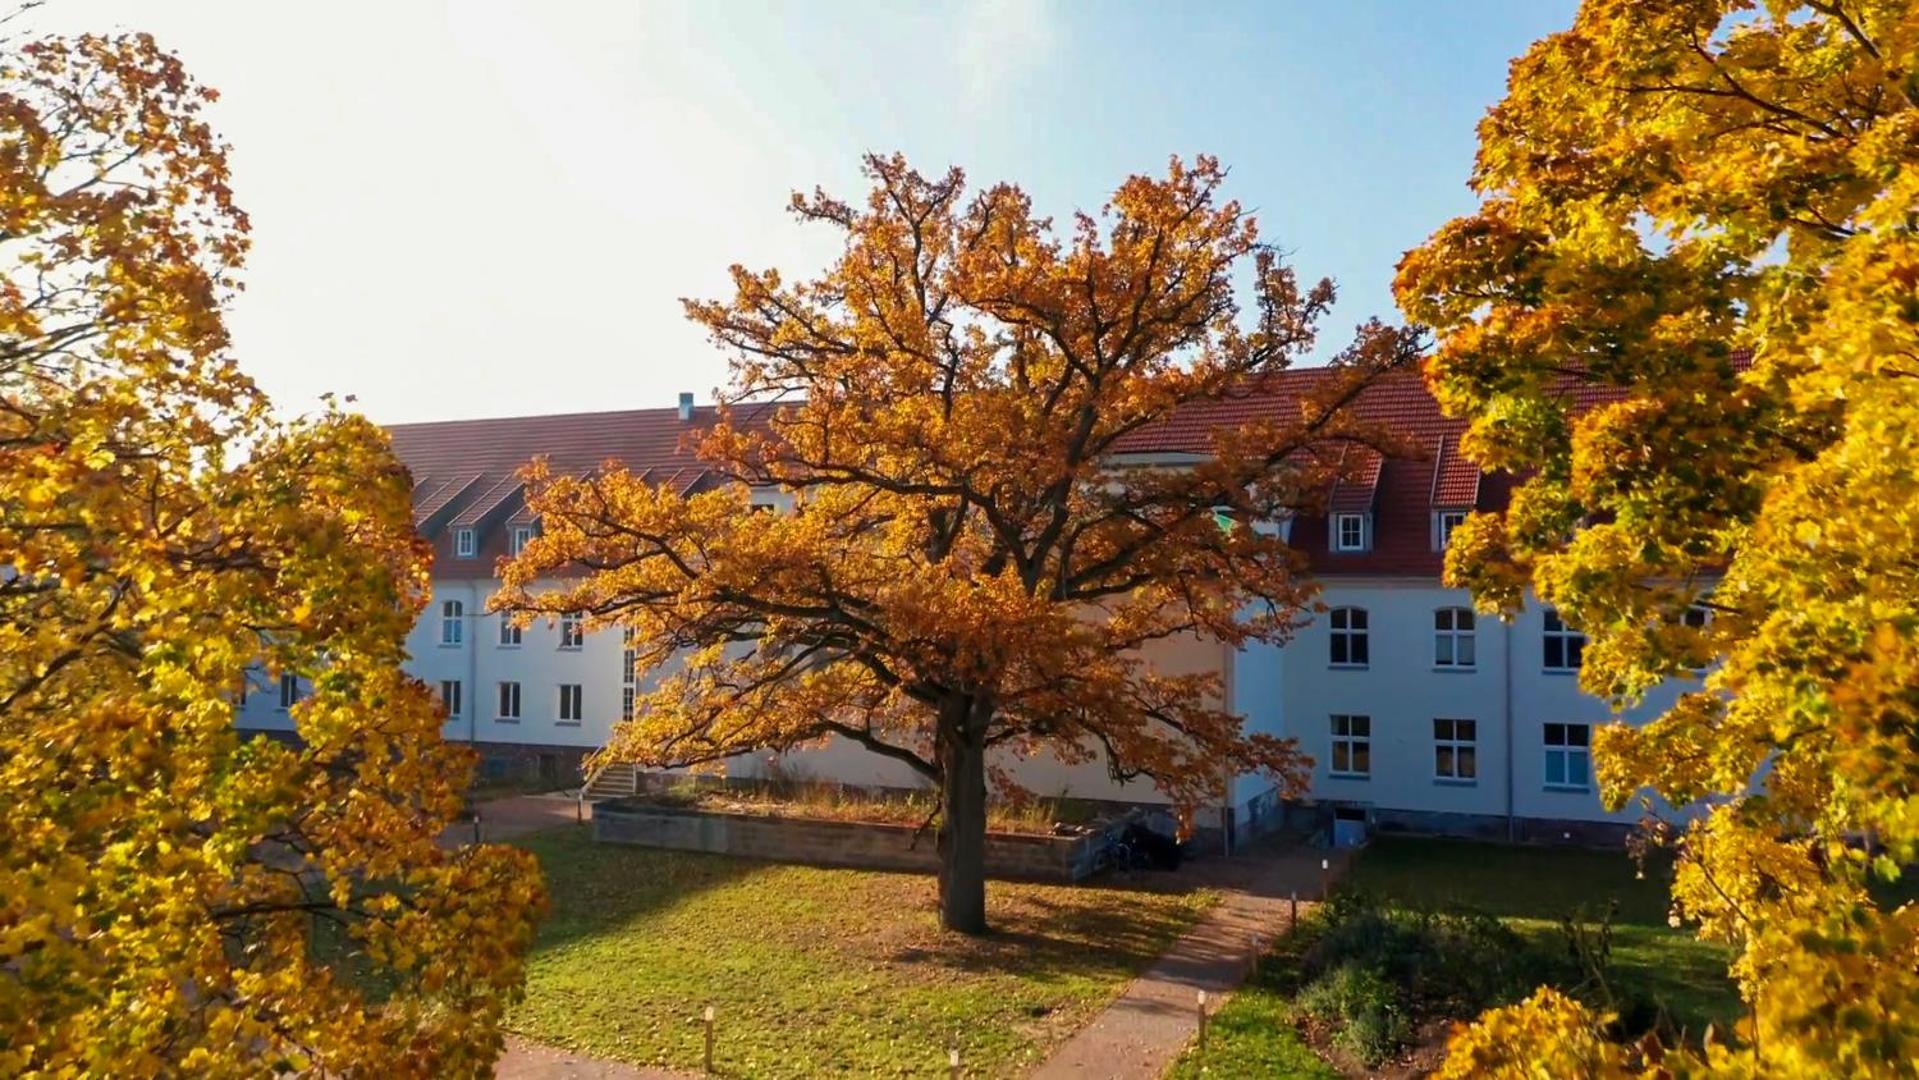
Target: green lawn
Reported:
point(819, 972)
point(1533, 888)
point(1530, 889)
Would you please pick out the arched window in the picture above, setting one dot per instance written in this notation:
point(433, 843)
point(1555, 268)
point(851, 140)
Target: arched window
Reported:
point(1349, 637)
point(1453, 645)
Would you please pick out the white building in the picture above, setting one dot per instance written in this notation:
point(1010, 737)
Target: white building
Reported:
point(1419, 714)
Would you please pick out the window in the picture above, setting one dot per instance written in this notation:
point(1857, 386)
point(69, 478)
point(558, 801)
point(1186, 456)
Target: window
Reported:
point(1455, 749)
point(572, 630)
point(1444, 523)
point(1564, 646)
point(1697, 616)
point(463, 543)
point(571, 703)
point(289, 691)
point(1349, 637)
point(627, 687)
point(1568, 757)
point(521, 536)
point(450, 696)
point(509, 701)
point(1352, 746)
point(1349, 532)
point(1453, 638)
point(452, 622)
point(509, 632)
point(759, 508)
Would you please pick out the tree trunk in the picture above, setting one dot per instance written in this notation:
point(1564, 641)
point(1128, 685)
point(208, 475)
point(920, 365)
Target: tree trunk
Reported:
point(962, 834)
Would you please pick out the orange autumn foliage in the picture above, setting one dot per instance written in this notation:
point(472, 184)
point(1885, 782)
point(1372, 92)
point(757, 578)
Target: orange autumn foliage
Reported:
point(964, 570)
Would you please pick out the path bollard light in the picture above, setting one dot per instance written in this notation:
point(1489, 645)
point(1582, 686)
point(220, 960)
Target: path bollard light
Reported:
point(1255, 962)
point(1325, 878)
point(1292, 920)
point(953, 1064)
point(1202, 1021)
point(476, 826)
point(707, 1017)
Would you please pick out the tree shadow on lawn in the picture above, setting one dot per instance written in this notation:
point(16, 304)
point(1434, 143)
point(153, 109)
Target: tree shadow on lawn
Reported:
point(596, 887)
point(816, 970)
point(1037, 930)
point(1071, 932)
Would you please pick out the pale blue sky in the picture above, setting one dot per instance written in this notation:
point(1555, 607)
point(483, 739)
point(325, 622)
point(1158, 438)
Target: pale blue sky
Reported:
point(471, 208)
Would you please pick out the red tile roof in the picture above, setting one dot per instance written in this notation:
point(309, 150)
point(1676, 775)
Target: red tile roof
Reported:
point(473, 462)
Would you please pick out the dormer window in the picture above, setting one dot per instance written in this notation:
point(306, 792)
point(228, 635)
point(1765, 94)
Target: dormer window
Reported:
point(1349, 532)
point(521, 536)
point(1444, 522)
point(464, 543)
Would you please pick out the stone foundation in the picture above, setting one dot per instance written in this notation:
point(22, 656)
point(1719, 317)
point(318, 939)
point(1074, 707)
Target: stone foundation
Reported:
point(871, 846)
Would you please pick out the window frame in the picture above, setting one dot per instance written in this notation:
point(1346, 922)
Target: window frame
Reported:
point(1353, 640)
point(518, 538)
point(1356, 740)
point(466, 543)
point(572, 631)
point(1339, 523)
point(1449, 738)
point(1443, 532)
point(1447, 629)
point(577, 693)
point(512, 635)
point(629, 688)
point(507, 691)
point(289, 692)
point(1570, 643)
point(1566, 751)
point(455, 702)
point(452, 624)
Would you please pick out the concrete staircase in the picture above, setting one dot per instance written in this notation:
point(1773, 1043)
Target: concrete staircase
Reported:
point(613, 782)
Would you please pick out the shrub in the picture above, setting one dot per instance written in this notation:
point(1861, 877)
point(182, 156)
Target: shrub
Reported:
point(1370, 1019)
point(1375, 969)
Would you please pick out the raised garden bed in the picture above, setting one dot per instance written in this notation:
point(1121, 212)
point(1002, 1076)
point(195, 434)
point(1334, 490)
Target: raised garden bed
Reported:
point(646, 822)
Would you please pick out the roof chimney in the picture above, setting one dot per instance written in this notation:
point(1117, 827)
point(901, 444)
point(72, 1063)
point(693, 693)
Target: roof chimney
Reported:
point(686, 405)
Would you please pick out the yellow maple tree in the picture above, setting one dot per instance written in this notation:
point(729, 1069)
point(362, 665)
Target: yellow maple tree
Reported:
point(1687, 309)
point(176, 899)
point(964, 578)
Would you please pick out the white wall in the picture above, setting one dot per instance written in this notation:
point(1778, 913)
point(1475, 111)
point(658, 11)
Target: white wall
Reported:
point(1296, 691)
point(1292, 691)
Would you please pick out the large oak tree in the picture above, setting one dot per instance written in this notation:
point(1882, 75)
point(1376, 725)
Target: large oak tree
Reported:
point(965, 577)
point(176, 899)
point(1702, 213)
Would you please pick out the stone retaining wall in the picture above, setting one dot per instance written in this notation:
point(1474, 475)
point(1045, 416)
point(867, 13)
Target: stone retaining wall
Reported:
point(832, 843)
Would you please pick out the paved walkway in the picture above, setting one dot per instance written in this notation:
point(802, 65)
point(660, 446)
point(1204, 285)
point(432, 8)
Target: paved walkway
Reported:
point(531, 1061)
point(1153, 1020)
point(515, 816)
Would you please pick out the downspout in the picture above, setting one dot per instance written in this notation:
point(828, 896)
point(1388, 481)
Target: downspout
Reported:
point(472, 699)
point(1506, 639)
point(1226, 796)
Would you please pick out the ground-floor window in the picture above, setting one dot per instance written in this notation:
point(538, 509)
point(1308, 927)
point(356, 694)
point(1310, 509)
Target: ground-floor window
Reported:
point(450, 696)
point(1456, 749)
point(1569, 756)
point(572, 705)
point(509, 701)
point(1352, 745)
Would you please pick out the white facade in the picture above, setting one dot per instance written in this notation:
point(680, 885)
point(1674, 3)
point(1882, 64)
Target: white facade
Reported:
point(1508, 694)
